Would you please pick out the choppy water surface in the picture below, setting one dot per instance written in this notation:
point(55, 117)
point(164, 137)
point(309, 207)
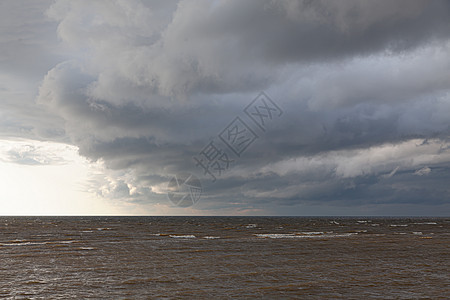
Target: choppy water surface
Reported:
point(224, 257)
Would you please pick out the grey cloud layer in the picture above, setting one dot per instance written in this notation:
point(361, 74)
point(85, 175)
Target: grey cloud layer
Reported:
point(145, 86)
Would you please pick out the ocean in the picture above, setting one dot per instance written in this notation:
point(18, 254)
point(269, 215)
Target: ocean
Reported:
point(224, 258)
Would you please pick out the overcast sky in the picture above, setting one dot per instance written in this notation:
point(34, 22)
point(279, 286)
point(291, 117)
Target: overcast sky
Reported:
point(120, 96)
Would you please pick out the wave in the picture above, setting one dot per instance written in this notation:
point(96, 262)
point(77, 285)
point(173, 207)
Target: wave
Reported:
point(295, 235)
point(310, 233)
point(182, 236)
point(32, 243)
point(426, 223)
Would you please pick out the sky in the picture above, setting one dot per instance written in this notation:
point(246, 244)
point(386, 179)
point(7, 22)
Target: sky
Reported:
point(273, 107)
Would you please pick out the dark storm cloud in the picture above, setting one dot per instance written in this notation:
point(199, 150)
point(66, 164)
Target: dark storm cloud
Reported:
point(289, 31)
point(26, 39)
point(144, 87)
point(28, 51)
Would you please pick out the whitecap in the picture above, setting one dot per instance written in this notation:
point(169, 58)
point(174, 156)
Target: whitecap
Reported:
point(426, 223)
point(293, 235)
point(310, 233)
point(185, 236)
point(275, 235)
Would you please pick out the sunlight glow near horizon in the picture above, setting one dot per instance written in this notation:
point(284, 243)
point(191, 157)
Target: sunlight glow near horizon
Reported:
point(44, 178)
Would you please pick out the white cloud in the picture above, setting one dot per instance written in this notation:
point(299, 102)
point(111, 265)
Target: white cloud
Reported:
point(423, 171)
point(369, 161)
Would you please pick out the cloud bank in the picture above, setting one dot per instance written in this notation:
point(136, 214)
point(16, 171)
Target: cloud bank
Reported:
point(144, 86)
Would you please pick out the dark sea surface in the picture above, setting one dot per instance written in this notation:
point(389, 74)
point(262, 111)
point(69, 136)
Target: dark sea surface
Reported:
point(224, 258)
